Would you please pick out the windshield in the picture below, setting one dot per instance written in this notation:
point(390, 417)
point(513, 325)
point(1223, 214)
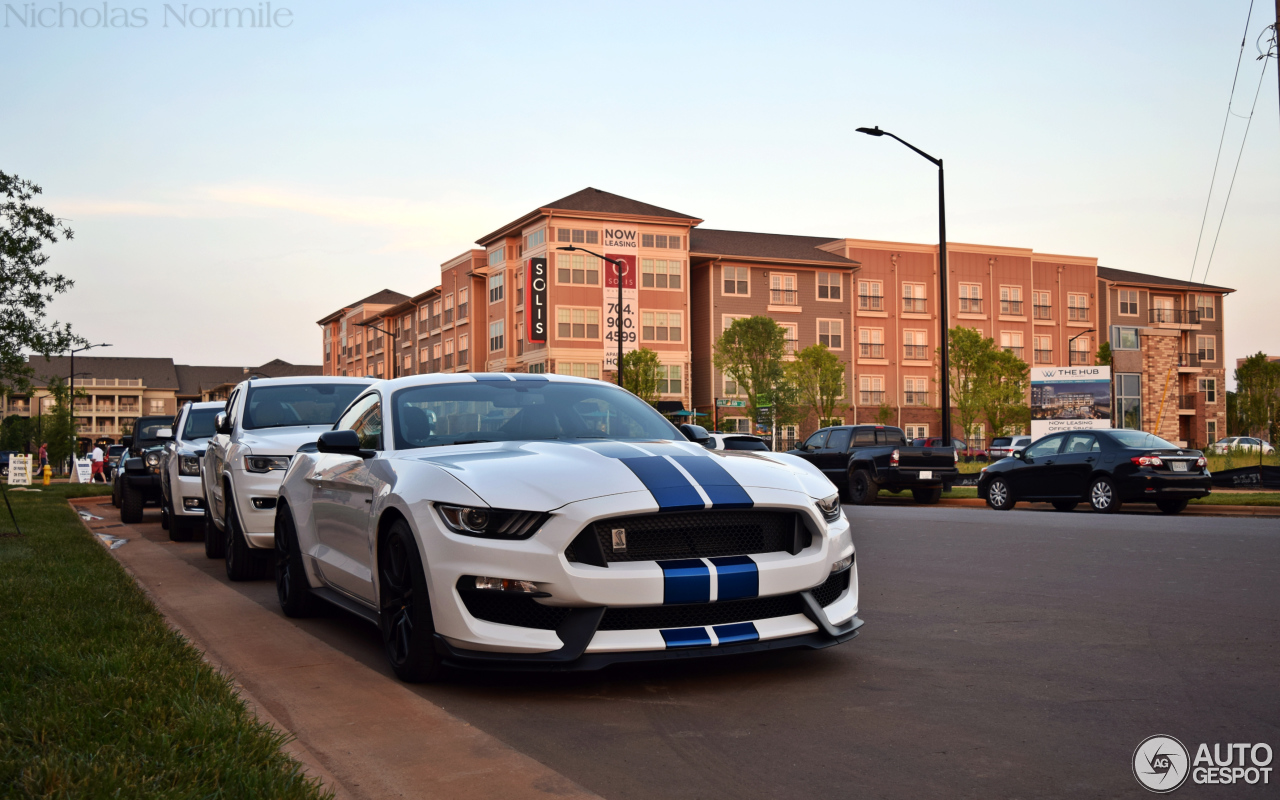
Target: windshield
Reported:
point(502, 411)
point(1142, 439)
point(147, 430)
point(200, 423)
point(298, 404)
point(1001, 441)
point(745, 443)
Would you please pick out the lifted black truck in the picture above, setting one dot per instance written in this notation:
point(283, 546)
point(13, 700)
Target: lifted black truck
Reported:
point(139, 479)
point(861, 460)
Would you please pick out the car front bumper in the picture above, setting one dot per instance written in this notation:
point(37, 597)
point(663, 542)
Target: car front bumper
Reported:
point(256, 494)
point(188, 496)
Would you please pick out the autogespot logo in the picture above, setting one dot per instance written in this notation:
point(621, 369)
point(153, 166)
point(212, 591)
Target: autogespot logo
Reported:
point(1160, 763)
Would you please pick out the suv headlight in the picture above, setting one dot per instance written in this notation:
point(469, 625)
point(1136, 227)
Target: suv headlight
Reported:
point(153, 459)
point(830, 507)
point(491, 523)
point(264, 463)
point(189, 465)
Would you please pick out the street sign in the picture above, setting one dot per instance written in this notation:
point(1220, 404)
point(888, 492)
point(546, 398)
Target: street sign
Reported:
point(723, 403)
point(764, 417)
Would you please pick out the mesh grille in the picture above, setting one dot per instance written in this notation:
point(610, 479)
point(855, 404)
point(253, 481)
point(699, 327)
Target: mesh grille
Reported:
point(513, 609)
point(699, 534)
point(700, 614)
point(830, 591)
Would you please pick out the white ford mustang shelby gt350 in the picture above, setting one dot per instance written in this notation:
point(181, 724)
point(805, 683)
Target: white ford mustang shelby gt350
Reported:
point(513, 521)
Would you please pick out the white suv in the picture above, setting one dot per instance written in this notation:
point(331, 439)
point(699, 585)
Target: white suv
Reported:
point(262, 426)
point(182, 492)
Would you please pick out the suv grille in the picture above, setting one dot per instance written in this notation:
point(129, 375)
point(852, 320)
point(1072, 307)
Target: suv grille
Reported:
point(698, 534)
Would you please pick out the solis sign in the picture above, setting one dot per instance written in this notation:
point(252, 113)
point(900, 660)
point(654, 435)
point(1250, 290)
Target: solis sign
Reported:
point(536, 305)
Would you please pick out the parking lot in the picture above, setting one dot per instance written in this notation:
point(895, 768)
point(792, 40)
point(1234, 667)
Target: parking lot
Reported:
point(999, 658)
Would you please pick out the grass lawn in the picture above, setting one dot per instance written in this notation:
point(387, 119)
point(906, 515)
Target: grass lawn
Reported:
point(1239, 499)
point(98, 698)
point(1238, 459)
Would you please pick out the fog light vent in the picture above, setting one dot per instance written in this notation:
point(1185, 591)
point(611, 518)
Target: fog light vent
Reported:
point(193, 502)
point(264, 502)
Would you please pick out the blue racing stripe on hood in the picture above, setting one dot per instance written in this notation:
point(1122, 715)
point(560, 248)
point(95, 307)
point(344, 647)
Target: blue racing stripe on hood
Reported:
point(721, 487)
point(685, 580)
point(669, 487)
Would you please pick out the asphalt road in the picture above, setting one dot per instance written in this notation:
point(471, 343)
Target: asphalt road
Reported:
point(1016, 654)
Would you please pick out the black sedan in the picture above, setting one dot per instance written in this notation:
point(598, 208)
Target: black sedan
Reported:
point(1104, 468)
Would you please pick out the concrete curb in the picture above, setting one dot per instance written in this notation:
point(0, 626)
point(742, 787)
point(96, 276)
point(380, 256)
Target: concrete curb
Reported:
point(363, 734)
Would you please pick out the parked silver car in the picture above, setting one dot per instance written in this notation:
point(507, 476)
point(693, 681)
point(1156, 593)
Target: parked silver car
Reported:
point(1005, 446)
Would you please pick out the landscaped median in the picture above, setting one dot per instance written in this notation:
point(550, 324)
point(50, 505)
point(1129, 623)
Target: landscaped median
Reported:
point(98, 696)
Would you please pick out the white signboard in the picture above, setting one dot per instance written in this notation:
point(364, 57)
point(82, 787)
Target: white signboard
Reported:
point(83, 472)
point(1069, 399)
point(621, 242)
point(19, 470)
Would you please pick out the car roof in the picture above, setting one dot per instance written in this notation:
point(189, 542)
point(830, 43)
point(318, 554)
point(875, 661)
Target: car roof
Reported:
point(393, 384)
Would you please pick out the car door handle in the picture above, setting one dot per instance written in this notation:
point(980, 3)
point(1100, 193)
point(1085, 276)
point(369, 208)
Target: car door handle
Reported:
point(1089, 459)
point(1050, 461)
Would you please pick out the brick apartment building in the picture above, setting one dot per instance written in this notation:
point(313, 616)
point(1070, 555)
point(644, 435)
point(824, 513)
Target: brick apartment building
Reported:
point(871, 302)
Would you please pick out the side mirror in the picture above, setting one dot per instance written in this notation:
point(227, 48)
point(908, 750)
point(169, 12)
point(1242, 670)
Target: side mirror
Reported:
point(220, 423)
point(694, 433)
point(164, 433)
point(1017, 454)
point(344, 442)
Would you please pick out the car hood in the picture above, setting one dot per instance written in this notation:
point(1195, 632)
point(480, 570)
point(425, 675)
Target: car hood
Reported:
point(541, 476)
point(281, 441)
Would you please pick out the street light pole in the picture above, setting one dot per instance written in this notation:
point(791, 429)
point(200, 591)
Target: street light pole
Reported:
point(619, 264)
point(942, 280)
point(71, 401)
point(390, 336)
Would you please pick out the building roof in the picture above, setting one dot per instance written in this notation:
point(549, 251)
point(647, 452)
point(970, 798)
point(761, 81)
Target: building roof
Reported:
point(1125, 276)
point(386, 297)
point(155, 373)
point(592, 201)
point(193, 380)
point(764, 246)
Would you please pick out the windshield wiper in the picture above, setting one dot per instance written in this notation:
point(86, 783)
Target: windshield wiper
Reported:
point(473, 441)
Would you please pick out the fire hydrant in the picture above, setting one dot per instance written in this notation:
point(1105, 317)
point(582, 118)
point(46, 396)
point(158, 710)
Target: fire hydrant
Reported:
point(48, 473)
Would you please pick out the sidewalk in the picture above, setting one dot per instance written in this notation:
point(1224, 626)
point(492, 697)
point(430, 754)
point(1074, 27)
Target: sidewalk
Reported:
point(365, 735)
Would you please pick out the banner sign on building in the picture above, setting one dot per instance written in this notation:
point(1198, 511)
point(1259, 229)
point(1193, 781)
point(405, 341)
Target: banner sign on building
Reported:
point(625, 239)
point(535, 307)
point(1069, 399)
point(19, 470)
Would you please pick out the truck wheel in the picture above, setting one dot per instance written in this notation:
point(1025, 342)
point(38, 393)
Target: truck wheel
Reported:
point(215, 545)
point(1065, 505)
point(296, 599)
point(406, 622)
point(180, 528)
point(862, 488)
point(115, 493)
point(165, 522)
point(1174, 506)
point(1103, 496)
point(927, 496)
point(131, 502)
point(999, 495)
point(243, 564)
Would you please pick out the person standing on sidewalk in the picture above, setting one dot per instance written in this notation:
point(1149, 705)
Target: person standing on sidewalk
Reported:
point(44, 456)
point(97, 457)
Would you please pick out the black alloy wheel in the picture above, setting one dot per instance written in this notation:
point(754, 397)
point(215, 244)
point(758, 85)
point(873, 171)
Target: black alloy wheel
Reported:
point(862, 488)
point(243, 563)
point(1065, 505)
point(1172, 505)
point(214, 542)
point(296, 599)
point(1103, 496)
point(927, 497)
point(405, 608)
point(180, 528)
point(1000, 495)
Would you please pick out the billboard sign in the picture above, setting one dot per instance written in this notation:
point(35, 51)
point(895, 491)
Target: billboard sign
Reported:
point(536, 302)
point(621, 243)
point(1069, 399)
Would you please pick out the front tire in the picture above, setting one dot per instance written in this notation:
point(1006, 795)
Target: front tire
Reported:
point(1103, 496)
point(1171, 506)
point(1065, 505)
point(927, 497)
point(292, 587)
point(115, 493)
point(243, 564)
point(407, 626)
point(215, 544)
point(180, 528)
point(1000, 495)
point(131, 502)
point(862, 488)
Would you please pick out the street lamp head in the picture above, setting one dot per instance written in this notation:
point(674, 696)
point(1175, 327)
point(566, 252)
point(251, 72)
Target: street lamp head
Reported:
point(872, 131)
point(570, 247)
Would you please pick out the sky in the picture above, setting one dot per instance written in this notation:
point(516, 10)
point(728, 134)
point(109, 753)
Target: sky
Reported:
point(230, 186)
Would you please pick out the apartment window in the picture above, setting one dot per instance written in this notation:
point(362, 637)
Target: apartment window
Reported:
point(579, 369)
point(1077, 307)
point(496, 282)
point(574, 268)
point(782, 290)
point(829, 285)
point(735, 425)
point(659, 241)
point(1011, 300)
point(915, 345)
point(462, 304)
point(871, 342)
point(790, 336)
point(660, 326)
point(462, 350)
point(157, 406)
point(916, 431)
point(536, 238)
point(729, 318)
point(578, 323)
point(917, 392)
point(1011, 342)
point(871, 295)
point(1207, 347)
point(1123, 338)
point(578, 236)
point(1209, 388)
point(1129, 400)
point(424, 355)
point(538, 369)
point(1211, 431)
point(1129, 302)
point(1205, 308)
point(496, 335)
point(669, 379)
point(448, 308)
point(1080, 350)
point(1044, 349)
point(657, 273)
point(871, 390)
point(519, 287)
point(737, 280)
point(377, 369)
point(730, 386)
point(408, 364)
point(831, 333)
point(406, 322)
point(970, 298)
point(1043, 308)
point(913, 298)
point(497, 256)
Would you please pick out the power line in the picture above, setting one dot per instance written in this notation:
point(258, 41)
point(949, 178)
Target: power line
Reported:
point(1230, 99)
point(1234, 172)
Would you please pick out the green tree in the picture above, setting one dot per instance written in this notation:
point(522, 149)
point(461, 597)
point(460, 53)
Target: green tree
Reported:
point(969, 354)
point(26, 288)
point(640, 374)
point(1006, 379)
point(1258, 396)
point(1104, 356)
point(15, 433)
point(817, 375)
point(884, 414)
point(750, 351)
point(58, 424)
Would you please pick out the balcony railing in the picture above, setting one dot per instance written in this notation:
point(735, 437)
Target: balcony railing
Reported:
point(1188, 359)
point(462, 311)
point(435, 321)
point(917, 398)
point(867, 350)
point(1044, 356)
point(970, 305)
point(1174, 316)
point(1077, 314)
point(1041, 312)
point(1079, 358)
point(1013, 307)
point(519, 295)
point(1017, 351)
point(448, 316)
point(520, 347)
point(870, 398)
point(871, 302)
point(1187, 402)
point(914, 305)
point(462, 358)
point(448, 360)
point(915, 352)
point(435, 365)
point(19, 408)
point(782, 297)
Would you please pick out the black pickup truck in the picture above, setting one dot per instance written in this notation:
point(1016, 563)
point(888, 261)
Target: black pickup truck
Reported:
point(863, 459)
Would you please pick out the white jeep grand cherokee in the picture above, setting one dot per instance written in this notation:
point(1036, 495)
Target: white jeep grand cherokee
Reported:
point(261, 428)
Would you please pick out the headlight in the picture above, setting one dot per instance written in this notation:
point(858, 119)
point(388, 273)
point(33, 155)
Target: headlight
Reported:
point(491, 523)
point(153, 459)
point(264, 463)
point(830, 507)
point(189, 465)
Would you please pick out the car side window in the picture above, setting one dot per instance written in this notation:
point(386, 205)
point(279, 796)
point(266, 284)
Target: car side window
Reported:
point(864, 436)
point(231, 409)
point(839, 439)
point(1081, 443)
point(1045, 447)
point(365, 418)
point(816, 441)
